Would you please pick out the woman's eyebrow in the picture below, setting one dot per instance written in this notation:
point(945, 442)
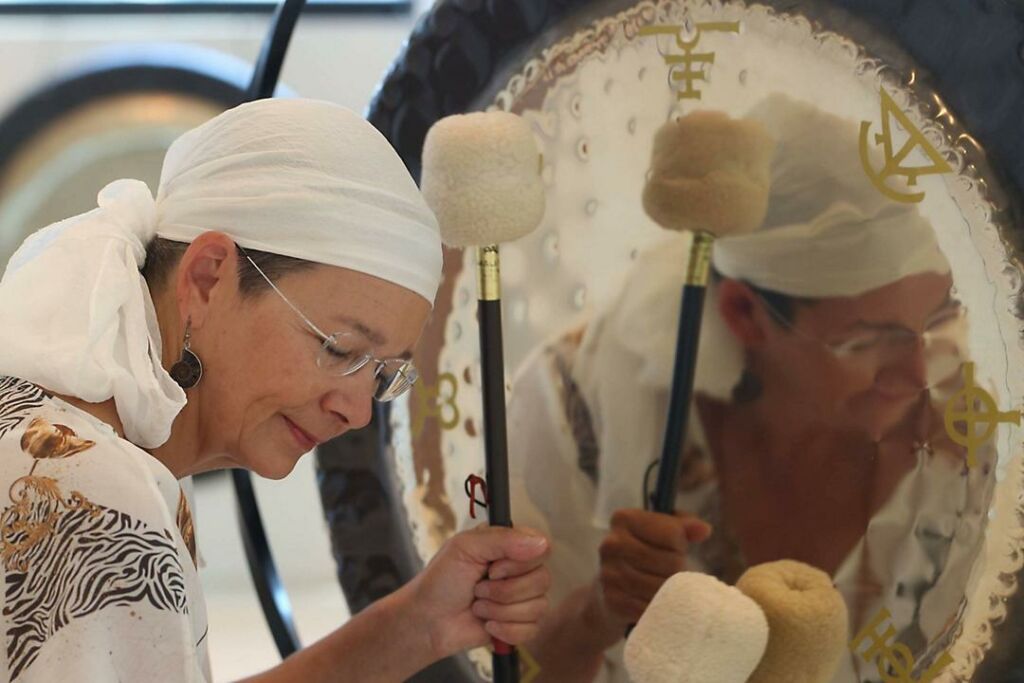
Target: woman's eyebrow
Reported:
point(375, 338)
point(949, 302)
point(359, 326)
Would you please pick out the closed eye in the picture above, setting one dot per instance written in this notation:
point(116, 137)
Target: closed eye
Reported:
point(338, 352)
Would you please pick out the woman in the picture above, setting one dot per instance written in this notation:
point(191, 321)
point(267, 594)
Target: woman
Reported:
point(831, 342)
point(282, 278)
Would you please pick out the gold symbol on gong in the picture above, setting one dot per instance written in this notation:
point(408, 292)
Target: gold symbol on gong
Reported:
point(894, 660)
point(431, 403)
point(975, 406)
point(893, 158)
point(690, 66)
point(532, 667)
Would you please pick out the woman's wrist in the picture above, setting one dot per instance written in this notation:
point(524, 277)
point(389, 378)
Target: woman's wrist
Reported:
point(607, 630)
point(573, 638)
point(385, 643)
point(408, 624)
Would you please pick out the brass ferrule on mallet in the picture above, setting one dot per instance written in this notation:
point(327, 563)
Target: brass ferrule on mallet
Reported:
point(700, 259)
point(489, 273)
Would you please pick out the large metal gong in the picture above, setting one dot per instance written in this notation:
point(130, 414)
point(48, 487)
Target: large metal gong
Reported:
point(925, 99)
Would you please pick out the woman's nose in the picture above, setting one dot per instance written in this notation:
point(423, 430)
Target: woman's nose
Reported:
point(907, 369)
point(352, 400)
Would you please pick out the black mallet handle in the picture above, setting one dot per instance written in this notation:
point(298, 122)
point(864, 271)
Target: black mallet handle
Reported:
point(664, 497)
point(492, 362)
point(687, 342)
point(499, 512)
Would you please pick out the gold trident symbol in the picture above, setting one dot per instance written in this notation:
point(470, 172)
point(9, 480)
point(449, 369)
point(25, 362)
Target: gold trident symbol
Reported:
point(430, 403)
point(974, 397)
point(894, 660)
point(689, 58)
point(894, 162)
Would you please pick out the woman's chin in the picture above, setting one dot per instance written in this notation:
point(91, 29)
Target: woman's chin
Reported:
point(271, 466)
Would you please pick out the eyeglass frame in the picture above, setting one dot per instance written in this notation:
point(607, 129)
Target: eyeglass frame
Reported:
point(836, 350)
point(326, 339)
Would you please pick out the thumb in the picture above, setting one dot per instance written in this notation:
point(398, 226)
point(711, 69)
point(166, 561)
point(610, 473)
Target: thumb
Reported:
point(697, 530)
point(487, 544)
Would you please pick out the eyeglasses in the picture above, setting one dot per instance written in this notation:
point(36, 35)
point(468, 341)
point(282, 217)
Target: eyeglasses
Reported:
point(873, 345)
point(343, 354)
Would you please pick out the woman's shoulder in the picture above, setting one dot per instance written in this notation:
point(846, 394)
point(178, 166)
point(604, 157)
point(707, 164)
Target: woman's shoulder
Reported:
point(49, 445)
point(87, 531)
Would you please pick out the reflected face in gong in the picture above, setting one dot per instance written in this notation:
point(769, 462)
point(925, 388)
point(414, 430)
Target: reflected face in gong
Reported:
point(850, 363)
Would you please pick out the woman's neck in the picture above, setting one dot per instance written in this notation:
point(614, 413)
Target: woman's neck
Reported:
point(105, 412)
point(788, 492)
point(168, 453)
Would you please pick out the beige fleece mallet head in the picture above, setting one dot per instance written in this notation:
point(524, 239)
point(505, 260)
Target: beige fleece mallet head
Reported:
point(807, 622)
point(709, 173)
point(696, 630)
point(481, 178)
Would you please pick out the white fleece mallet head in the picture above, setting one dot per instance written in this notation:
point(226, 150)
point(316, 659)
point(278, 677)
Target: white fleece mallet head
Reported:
point(807, 618)
point(711, 173)
point(696, 630)
point(481, 177)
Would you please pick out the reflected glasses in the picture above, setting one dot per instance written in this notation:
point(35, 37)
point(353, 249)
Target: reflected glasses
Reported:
point(343, 354)
point(943, 325)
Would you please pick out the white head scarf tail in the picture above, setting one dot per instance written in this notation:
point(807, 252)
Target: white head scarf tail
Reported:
point(301, 178)
point(828, 232)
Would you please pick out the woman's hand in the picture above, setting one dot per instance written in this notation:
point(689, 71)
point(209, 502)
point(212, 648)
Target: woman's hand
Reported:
point(489, 581)
point(641, 551)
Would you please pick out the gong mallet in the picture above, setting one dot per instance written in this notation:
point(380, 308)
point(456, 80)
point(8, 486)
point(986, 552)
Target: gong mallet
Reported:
point(481, 177)
point(709, 175)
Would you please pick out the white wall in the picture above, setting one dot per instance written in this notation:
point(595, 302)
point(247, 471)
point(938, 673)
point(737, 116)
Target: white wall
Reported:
point(335, 58)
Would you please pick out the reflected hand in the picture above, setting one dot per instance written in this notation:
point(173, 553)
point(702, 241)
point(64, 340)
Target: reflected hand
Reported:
point(460, 610)
point(641, 551)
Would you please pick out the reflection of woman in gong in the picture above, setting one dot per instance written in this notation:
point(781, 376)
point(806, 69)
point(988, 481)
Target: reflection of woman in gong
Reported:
point(831, 343)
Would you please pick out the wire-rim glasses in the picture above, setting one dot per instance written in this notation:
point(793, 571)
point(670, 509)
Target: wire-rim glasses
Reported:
point(938, 327)
point(343, 354)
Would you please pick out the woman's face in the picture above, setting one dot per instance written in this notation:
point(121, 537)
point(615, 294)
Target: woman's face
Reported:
point(261, 380)
point(856, 363)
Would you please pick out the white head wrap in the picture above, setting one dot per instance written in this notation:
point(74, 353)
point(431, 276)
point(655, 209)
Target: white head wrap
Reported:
point(300, 178)
point(828, 232)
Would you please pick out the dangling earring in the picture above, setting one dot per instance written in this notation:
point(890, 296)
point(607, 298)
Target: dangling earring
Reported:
point(748, 389)
point(188, 370)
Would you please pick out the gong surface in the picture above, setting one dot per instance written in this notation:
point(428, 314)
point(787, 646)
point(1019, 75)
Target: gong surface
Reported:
point(912, 507)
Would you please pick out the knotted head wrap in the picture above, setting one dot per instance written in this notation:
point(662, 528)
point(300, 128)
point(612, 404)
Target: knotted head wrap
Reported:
point(300, 178)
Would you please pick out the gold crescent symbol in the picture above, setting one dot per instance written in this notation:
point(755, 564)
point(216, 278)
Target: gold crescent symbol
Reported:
point(894, 159)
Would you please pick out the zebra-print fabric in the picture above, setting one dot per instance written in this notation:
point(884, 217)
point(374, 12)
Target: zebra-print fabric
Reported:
point(95, 558)
point(18, 398)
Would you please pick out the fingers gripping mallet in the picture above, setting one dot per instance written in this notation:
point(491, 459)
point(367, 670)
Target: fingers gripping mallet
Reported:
point(481, 177)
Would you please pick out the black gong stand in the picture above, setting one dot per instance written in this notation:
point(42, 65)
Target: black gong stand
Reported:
point(272, 595)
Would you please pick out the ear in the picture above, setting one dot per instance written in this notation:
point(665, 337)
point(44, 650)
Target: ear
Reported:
point(208, 269)
point(743, 312)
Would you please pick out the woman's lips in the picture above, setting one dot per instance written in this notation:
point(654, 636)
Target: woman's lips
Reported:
point(304, 439)
point(898, 396)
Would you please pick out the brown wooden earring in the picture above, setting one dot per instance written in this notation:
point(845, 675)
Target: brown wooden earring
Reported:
point(189, 369)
